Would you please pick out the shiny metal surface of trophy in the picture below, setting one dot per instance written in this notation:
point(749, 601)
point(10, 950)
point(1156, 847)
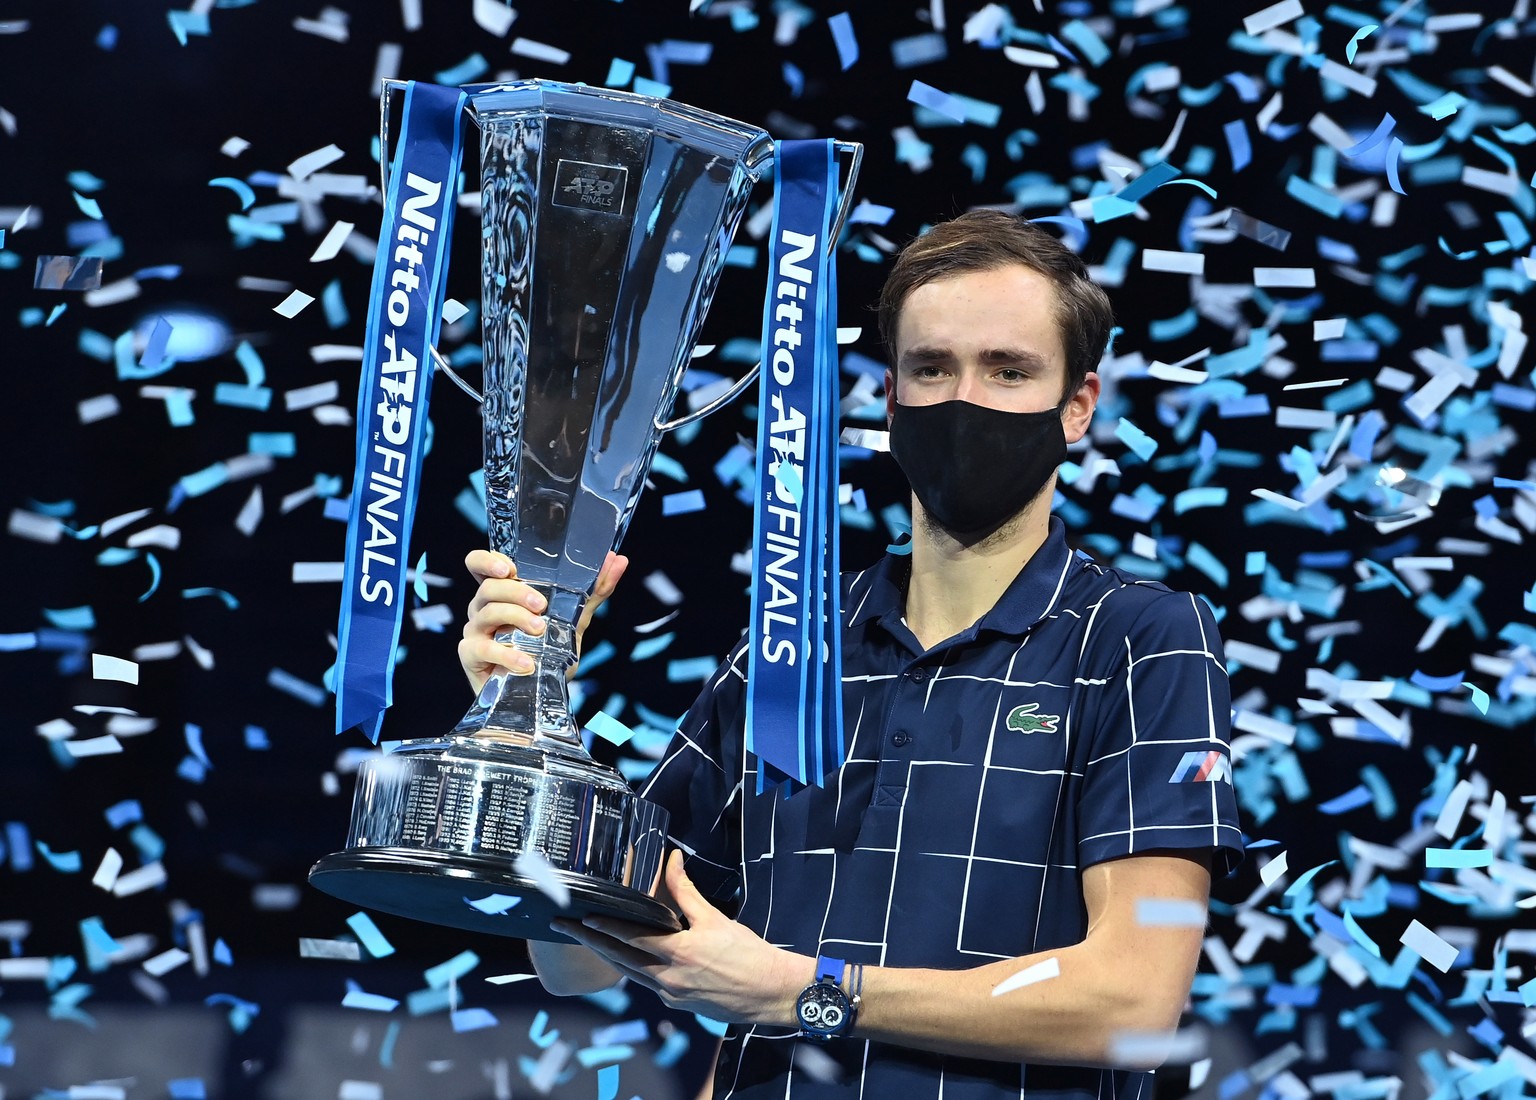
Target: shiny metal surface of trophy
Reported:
point(606, 217)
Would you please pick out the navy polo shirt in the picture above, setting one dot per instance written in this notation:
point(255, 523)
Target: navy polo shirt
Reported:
point(1083, 718)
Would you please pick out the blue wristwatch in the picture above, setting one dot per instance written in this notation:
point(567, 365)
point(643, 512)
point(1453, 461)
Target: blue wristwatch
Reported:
point(824, 1009)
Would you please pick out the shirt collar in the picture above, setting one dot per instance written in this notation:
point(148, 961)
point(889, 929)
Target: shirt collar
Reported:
point(880, 592)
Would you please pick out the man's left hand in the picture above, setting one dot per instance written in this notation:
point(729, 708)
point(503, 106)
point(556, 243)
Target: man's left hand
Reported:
point(714, 967)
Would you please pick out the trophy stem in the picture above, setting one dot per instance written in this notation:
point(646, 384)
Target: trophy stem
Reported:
point(534, 709)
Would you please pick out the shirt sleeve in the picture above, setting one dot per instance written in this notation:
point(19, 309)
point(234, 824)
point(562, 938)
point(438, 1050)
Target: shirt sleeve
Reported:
point(1158, 773)
point(698, 782)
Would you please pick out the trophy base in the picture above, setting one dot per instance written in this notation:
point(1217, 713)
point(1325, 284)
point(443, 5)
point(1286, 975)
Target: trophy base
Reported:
point(438, 887)
point(441, 824)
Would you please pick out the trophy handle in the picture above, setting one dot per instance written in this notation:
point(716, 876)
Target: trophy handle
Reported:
point(854, 151)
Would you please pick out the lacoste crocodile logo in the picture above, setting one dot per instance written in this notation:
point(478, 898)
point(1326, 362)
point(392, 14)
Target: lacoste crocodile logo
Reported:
point(1025, 720)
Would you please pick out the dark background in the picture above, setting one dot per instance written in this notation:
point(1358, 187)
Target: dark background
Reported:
point(145, 116)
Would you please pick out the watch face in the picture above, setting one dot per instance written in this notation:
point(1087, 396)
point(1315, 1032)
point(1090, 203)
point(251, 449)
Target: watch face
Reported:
point(822, 1009)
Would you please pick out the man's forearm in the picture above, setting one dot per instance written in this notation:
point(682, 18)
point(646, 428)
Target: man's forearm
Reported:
point(569, 969)
point(1072, 1018)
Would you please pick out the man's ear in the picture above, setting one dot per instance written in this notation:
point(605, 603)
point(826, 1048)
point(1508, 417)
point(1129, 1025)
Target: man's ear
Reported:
point(890, 397)
point(1079, 411)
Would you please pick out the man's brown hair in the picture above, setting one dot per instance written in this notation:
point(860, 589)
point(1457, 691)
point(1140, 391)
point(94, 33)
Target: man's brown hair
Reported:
point(984, 240)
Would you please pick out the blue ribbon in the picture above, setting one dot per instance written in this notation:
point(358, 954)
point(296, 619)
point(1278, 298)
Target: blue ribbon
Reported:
point(794, 682)
point(404, 315)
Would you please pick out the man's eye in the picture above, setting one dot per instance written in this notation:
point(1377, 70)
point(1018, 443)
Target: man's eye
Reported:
point(1012, 374)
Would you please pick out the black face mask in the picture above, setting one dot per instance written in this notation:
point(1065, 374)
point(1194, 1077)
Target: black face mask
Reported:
point(972, 467)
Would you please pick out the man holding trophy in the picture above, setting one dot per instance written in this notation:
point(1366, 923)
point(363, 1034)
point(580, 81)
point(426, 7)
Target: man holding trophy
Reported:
point(1004, 886)
point(941, 827)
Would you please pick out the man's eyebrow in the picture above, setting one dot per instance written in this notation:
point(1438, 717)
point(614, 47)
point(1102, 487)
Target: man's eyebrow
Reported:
point(926, 353)
point(1023, 356)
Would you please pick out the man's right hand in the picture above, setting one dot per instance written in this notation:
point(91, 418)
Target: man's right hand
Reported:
point(503, 603)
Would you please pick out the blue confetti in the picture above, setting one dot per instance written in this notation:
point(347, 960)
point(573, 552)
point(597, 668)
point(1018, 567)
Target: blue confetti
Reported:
point(620, 73)
point(1143, 445)
point(608, 1083)
point(439, 976)
point(1352, 799)
point(610, 729)
point(841, 26)
point(154, 356)
point(917, 50)
point(676, 504)
point(242, 189)
point(1090, 44)
point(472, 1019)
point(1238, 145)
point(371, 1002)
point(369, 936)
point(935, 100)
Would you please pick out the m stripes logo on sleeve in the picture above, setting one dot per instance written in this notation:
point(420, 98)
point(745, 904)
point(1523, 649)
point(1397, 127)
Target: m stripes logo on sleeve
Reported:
point(1202, 767)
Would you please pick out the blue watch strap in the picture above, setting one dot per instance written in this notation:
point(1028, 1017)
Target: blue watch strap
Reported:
point(829, 969)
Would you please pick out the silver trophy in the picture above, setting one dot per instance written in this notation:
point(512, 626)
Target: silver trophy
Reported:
point(606, 217)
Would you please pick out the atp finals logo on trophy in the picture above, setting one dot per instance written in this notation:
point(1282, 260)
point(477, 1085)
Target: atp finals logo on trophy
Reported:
point(591, 308)
point(601, 186)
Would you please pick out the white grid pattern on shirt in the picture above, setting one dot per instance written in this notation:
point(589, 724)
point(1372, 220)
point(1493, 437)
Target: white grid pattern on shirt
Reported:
point(865, 689)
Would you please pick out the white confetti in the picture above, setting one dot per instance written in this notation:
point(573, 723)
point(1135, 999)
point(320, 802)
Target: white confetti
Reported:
point(539, 51)
point(313, 572)
point(1170, 913)
point(104, 667)
point(1273, 16)
point(162, 535)
point(494, 904)
point(329, 949)
point(97, 408)
point(662, 587)
point(107, 871)
point(1180, 263)
point(249, 517)
point(36, 528)
point(1429, 946)
point(111, 294)
point(104, 745)
point(165, 962)
point(495, 16)
point(1284, 277)
point(535, 867)
point(1152, 1048)
point(25, 969)
point(1036, 59)
point(330, 247)
point(1271, 872)
point(310, 163)
point(56, 729)
point(139, 880)
point(292, 304)
point(307, 396)
point(1035, 972)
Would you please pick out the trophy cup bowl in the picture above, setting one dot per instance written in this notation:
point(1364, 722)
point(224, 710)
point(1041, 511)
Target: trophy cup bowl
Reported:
point(606, 217)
